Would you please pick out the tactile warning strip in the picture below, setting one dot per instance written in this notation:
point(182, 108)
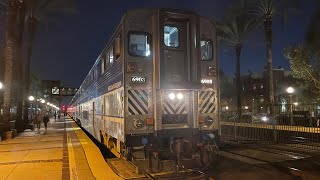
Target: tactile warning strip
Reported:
point(65, 156)
point(33, 161)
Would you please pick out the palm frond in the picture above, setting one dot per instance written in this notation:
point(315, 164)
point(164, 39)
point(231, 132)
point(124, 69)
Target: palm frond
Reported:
point(40, 9)
point(312, 35)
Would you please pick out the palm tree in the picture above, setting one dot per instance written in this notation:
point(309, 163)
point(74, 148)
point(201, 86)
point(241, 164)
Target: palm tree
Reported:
point(234, 32)
point(37, 11)
point(19, 69)
point(9, 58)
point(266, 10)
point(312, 36)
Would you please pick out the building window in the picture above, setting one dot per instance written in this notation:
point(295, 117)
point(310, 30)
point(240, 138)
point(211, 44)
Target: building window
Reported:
point(206, 50)
point(139, 44)
point(171, 36)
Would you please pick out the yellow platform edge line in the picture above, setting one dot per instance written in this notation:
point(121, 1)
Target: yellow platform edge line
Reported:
point(72, 163)
point(99, 168)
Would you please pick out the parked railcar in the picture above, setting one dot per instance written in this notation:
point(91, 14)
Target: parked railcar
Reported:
point(152, 94)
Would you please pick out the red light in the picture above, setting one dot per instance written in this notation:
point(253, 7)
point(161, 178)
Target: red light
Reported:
point(149, 121)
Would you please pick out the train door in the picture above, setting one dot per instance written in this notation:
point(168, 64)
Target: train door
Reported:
point(176, 58)
point(93, 118)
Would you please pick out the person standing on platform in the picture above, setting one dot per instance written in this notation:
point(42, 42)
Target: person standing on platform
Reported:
point(45, 121)
point(55, 115)
point(38, 120)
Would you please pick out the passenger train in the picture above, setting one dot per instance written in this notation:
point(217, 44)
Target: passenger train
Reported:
point(152, 95)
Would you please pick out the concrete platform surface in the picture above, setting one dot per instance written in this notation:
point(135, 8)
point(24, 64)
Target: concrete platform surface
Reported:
point(63, 151)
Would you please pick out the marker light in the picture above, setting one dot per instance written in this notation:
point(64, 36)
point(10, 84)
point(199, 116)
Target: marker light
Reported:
point(180, 96)
point(172, 96)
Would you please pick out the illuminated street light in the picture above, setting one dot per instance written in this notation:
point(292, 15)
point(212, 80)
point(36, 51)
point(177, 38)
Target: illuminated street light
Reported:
point(296, 103)
point(48, 103)
point(31, 98)
point(290, 91)
point(43, 101)
point(1, 85)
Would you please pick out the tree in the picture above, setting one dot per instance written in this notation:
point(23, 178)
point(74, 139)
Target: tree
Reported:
point(266, 10)
point(235, 29)
point(38, 11)
point(305, 64)
point(19, 64)
point(9, 58)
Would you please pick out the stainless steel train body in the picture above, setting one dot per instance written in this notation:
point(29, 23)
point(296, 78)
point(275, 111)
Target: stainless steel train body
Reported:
point(154, 83)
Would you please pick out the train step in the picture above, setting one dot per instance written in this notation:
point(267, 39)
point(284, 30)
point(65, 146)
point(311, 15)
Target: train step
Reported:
point(124, 169)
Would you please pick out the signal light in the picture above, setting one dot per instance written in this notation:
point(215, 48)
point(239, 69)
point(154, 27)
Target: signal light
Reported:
point(149, 121)
point(131, 67)
point(211, 71)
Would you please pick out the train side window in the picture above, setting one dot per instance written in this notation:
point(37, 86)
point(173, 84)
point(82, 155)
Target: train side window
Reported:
point(117, 46)
point(106, 61)
point(171, 36)
point(111, 55)
point(206, 50)
point(102, 65)
point(139, 44)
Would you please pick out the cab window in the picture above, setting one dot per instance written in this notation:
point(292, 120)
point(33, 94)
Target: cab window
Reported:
point(139, 44)
point(171, 36)
point(206, 50)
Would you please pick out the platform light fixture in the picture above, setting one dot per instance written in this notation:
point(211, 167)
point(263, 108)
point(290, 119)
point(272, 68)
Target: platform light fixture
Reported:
point(31, 98)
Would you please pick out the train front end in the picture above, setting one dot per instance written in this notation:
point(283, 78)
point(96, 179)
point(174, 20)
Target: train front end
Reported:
point(171, 89)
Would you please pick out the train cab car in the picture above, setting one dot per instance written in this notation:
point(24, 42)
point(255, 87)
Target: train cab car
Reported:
point(152, 94)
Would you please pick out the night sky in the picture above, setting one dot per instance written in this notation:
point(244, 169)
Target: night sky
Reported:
point(66, 51)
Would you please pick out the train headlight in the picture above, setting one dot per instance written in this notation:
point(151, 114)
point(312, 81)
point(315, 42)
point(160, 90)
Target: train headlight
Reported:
point(138, 123)
point(172, 96)
point(208, 121)
point(180, 96)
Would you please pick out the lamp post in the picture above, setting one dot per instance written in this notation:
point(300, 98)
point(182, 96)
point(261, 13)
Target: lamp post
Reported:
point(290, 91)
point(31, 99)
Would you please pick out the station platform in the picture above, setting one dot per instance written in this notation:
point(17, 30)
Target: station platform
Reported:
point(63, 151)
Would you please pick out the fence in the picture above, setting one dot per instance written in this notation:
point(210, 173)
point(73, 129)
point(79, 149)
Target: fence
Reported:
point(291, 124)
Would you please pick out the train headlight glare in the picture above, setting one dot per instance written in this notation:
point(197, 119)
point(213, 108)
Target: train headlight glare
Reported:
point(172, 96)
point(138, 123)
point(180, 96)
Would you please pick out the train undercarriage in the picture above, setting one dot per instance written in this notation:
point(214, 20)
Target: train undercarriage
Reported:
point(167, 154)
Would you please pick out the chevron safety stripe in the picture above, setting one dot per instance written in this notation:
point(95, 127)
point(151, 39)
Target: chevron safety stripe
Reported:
point(174, 107)
point(207, 102)
point(137, 102)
